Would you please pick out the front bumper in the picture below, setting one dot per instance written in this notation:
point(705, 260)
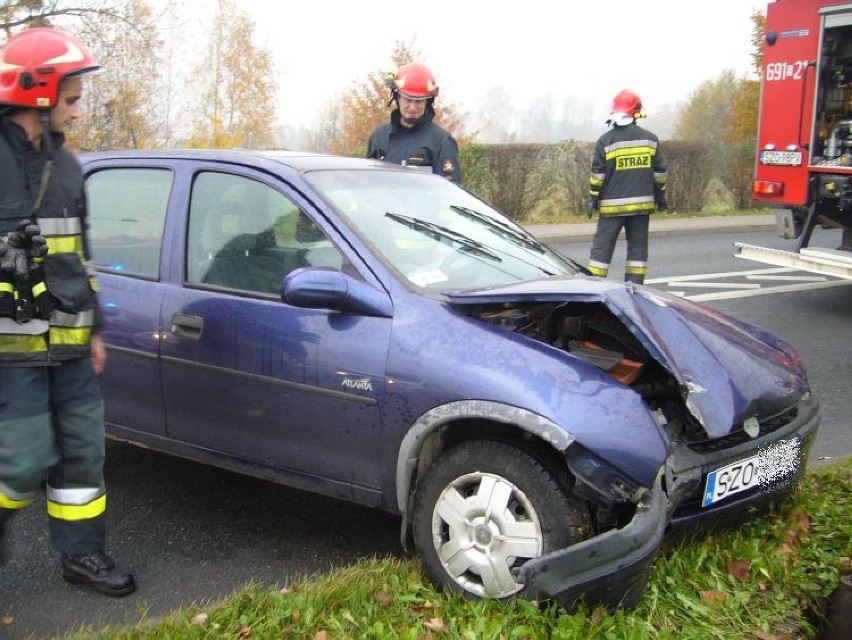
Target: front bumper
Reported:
point(686, 471)
point(610, 569)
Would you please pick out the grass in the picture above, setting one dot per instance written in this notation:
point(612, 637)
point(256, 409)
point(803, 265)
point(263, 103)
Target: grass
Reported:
point(771, 579)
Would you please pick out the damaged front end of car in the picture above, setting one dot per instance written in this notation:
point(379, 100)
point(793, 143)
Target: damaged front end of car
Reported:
point(731, 399)
point(609, 569)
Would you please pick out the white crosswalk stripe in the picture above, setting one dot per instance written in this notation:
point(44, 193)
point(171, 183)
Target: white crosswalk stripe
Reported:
point(744, 284)
point(790, 278)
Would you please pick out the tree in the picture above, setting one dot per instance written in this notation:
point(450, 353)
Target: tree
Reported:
point(722, 114)
point(495, 119)
point(119, 112)
point(576, 120)
point(344, 130)
point(327, 137)
point(237, 81)
point(758, 33)
point(719, 115)
point(537, 120)
point(122, 36)
point(741, 138)
point(16, 15)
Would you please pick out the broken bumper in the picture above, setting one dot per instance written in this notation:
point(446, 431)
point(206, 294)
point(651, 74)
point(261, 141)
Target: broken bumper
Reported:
point(610, 569)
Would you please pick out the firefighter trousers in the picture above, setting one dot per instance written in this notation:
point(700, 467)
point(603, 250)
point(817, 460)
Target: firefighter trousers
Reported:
point(52, 429)
point(606, 235)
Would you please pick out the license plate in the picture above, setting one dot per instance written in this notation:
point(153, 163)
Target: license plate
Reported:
point(786, 158)
point(770, 466)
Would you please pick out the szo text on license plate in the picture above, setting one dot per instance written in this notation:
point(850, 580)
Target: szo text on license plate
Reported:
point(776, 463)
point(729, 480)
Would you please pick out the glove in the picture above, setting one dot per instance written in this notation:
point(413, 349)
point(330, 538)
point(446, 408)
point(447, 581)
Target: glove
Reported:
point(34, 240)
point(38, 246)
point(594, 205)
point(23, 244)
point(13, 256)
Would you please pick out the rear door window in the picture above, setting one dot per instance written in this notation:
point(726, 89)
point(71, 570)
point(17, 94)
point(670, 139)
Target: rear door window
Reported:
point(127, 213)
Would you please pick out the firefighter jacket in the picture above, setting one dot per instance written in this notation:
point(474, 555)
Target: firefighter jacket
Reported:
point(66, 311)
point(628, 172)
point(424, 145)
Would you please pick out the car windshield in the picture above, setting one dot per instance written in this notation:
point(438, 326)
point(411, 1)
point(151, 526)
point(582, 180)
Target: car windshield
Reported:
point(435, 234)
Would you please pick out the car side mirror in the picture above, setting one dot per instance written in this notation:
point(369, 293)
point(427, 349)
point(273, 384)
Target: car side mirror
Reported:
point(327, 288)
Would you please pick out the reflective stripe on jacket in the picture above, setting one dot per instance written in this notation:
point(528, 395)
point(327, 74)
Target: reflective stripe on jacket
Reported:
point(62, 284)
point(627, 169)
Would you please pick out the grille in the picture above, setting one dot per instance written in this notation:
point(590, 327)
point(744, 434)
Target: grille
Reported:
point(738, 435)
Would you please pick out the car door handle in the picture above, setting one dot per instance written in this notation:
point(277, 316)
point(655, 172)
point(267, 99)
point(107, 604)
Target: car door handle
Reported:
point(187, 326)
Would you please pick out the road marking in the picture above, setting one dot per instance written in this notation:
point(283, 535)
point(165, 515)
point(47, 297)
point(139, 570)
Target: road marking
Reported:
point(726, 274)
point(790, 278)
point(718, 285)
point(680, 285)
point(725, 295)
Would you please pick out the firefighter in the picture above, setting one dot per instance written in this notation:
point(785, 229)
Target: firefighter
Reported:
point(51, 411)
point(411, 137)
point(627, 184)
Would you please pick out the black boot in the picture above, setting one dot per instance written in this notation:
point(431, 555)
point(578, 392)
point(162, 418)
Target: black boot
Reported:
point(98, 571)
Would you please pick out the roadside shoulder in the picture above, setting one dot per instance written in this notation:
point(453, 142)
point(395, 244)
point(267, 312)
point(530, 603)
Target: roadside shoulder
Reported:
point(668, 226)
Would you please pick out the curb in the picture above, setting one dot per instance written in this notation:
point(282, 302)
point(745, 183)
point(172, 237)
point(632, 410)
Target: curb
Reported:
point(669, 227)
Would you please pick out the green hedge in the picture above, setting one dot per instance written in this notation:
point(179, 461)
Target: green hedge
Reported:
point(521, 178)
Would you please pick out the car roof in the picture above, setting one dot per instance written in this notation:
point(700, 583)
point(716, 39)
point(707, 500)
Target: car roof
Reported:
point(300, 161)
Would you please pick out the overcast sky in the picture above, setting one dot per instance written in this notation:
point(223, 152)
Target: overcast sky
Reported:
point(663, 49)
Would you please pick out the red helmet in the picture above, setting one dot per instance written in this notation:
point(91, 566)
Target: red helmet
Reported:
point(415, 81)
point(33, 64)
point(626, 105)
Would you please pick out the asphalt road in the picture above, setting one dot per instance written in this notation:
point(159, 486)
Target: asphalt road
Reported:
point(194, 534)
point(190, 533)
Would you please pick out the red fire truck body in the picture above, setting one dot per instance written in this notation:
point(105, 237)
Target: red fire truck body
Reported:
point(804, 145)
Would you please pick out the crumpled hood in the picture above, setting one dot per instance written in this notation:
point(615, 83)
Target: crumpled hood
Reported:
point(728, 369)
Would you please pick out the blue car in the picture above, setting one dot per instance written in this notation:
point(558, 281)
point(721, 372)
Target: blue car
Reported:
point(381, 335)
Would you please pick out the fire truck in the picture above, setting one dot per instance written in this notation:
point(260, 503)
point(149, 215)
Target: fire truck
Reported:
point(804, 145)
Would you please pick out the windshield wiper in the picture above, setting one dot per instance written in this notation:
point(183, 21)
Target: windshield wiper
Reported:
point(499, 227)
point(440, 233)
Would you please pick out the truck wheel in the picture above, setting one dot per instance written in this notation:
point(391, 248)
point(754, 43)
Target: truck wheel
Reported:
point(483, 509)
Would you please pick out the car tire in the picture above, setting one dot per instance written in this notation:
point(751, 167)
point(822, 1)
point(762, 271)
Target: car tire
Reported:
point(483, 509)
